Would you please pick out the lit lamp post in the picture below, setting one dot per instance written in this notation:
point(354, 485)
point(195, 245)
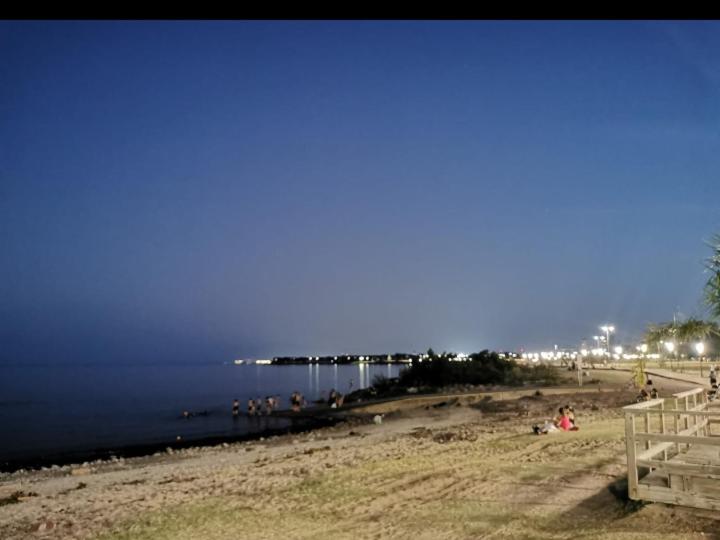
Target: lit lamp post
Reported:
point(670, 346)
point(607, 329)
point(700, 349)
point(580, 366)
point(642, 349)
point(618, 351)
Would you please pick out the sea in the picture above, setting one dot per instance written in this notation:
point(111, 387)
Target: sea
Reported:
point(53, 411)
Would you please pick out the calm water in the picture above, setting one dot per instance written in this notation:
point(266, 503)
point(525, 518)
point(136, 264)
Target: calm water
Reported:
point(51, 409)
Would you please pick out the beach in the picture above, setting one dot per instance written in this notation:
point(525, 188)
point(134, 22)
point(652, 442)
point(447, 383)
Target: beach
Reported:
point(462, 466)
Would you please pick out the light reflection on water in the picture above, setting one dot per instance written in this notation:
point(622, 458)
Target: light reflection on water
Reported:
point(85, 406)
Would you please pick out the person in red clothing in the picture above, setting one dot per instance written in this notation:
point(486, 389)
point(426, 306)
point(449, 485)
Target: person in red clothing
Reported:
point(563, 421)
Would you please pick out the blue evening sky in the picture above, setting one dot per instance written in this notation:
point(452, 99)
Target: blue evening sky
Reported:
point(213, 190)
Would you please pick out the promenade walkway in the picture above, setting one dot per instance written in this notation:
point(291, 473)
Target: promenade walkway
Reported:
point(703, 382)
point(689, 378)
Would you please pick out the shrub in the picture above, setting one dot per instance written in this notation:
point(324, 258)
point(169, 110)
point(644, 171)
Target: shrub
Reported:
point(484, 368)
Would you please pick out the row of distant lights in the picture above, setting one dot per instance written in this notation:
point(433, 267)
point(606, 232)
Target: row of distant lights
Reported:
point(462, 357)
point(551, 355)
point(599, 352)
point(554, 355)
point(459, 357)
point(361, 359)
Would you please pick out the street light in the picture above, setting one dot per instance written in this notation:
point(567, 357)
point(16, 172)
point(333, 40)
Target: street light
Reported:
point(700, 348)
point(670, 346)
point(607, 329)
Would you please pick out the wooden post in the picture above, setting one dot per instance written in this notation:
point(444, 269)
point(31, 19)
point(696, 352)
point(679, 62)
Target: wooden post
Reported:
point(647, 429)
point(662, 427)
point(676, 416)
point(706, 426)
point(687, 421)
point(632, 464)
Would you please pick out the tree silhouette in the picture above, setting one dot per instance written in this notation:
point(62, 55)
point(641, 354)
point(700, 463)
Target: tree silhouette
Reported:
point(712, 286)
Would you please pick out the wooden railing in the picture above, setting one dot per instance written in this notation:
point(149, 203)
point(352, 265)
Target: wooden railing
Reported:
point(660, 441)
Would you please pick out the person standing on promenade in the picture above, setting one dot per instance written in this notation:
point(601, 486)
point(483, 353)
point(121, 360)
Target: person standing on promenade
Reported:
point(251, 407)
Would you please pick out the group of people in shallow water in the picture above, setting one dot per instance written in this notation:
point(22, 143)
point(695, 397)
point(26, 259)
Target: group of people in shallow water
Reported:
point(297, 402)
point(258, 407)
point(564, 421)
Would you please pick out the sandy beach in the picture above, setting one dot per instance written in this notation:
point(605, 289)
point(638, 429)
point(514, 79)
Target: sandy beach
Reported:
point(436, 468)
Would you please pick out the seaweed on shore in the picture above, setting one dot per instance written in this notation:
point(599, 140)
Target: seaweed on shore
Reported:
point(16, 497)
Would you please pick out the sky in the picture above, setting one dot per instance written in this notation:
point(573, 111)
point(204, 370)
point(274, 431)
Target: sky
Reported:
point(204, 191)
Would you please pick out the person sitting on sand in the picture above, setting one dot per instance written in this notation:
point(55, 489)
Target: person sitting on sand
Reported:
point(643, 396)
point(563, 421)
point(654, 393)
point(570, 412)
point(548, 427)
point(713, 393)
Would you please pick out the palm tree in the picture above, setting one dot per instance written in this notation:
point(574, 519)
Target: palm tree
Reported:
point(656, 334)
point(695, 330)
point(712, 287)
point(679, 333)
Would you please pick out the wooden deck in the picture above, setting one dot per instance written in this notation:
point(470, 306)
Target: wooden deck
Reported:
point(673, 452)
